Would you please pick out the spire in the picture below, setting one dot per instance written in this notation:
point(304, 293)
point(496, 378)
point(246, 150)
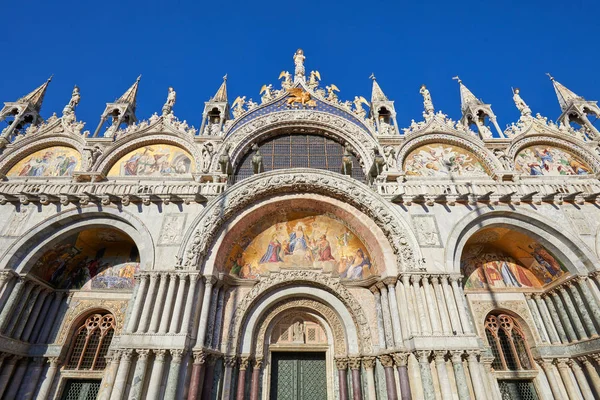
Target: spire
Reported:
point(221, 95)
point(565, 96)
point(36, 97)
point(377, 93)
point(467, 97)
point(475, 112)
point(129, 97)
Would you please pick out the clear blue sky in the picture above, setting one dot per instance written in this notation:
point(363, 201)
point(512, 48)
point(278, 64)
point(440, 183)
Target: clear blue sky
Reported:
point(492, 45)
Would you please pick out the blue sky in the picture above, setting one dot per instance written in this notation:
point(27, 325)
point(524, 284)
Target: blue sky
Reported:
point(492, 45)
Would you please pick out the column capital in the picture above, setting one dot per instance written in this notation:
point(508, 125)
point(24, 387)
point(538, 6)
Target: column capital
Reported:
point(390, 280)
point(159, 355)
point(414, 279)
point(53, 361)
point(7, 273)
point(440, 355)
point(422, 355)
point(375, 290)
point(401, 359)
point(153, 277)
point(194, 277)
point(573, 364)
point(580, 279)
point(143, 354)
point(473, 355)
point(210, 280)
point(244, 362)
point(583, 360)
point(381, 286)
point(456, 356)
point(405, 279)
point(199, 356)
point(595, 357)
point(453, 278)
point(386, 360)
point(368, 362)
point(258, 362)
point(544, 363)
point(561, 363)
point(354, 362)
point(537, 296)
point(569, 284)
point(528, 296)
point(126, 354)
point(230, 361)
point(176, 355)
point(435, 280)
point(341, 363)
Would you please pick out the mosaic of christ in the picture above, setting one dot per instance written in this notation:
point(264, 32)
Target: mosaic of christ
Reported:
point(314, 242)
point(441, 160)
point(548, 160)
point(497, 258)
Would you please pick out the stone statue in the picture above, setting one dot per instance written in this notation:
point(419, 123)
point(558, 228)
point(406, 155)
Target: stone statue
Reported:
point(287, 80)
point(313, 79)
point(257, 160)
point(225, 161)
point(171, 97)
point(390, 157)
point(238, 106)
point(207, 152)
point(299, 63)
point(520, 103)
point(298, 332)
point(75, 97)
point(377, 167)
point(251, 104)
point(427, 103)
point(69, 109)
point(331, 95)
point(347, 160)
point(358, 109)
point(266, 92)
point(503, 158)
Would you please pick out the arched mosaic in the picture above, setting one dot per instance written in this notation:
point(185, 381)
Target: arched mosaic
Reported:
point(441, 159)
point(48, 162)
point(550, 160)
point(295, 240)
point(154, 160)
point(500, 258)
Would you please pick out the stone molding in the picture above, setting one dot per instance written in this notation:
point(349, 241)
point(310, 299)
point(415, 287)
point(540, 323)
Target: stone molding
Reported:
point(79, 308)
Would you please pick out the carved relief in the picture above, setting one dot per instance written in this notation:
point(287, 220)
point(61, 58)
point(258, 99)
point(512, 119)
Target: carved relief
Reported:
point(15, 225)
point(427, 231)
point(171, 232)
point(580, 221)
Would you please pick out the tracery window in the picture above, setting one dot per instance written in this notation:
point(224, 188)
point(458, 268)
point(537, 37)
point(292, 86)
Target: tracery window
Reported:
point(508, 343)
point(299, 151)
point(91, 342)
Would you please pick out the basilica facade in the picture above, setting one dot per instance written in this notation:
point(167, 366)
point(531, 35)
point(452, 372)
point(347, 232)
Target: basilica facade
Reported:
point(303, 246)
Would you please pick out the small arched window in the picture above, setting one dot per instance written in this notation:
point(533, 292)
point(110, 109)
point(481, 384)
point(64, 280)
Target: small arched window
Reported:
point(508, 343)
point(91, 342)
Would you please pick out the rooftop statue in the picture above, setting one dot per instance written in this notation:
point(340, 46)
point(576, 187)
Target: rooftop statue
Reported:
point(299, 63)
point(313, 79)
point(287, 79)
point(520, 103)
point(331, 95)
point(427, 100)
point(171, 97)
point(267, 93)
point(238, 106)
point(358, 109)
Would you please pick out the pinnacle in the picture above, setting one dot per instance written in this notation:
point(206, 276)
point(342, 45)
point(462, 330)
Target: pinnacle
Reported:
point(129, 97)
point(377, 94)
point(36, 97)
point(565, 96)
point(221, 95)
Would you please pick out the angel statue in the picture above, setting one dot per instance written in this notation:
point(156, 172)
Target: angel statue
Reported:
point(520, 103)
point(266, 92)
point(75, 97)
point(238, 106)
point(251, 104)
point(299, 63)
point(313, 79)
point(331, 95)
point(427, 100)
point(69, 109)
point(168, 107)
point(287, 79)
point(358, 109)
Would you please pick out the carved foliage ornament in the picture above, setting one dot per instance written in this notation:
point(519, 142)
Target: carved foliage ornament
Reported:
point(348, 190)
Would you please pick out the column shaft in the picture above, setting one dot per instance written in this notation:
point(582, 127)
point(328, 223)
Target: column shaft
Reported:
point(158, 303)
point(554, 386)
point(387, 318)
point(15, 380)
point(138, 303)
point(156, 377)
point(451, 304)
point(460, 377)
point(554, 323)
point(586, 391)
point(203, 320)
point(434, 316)
point(585, 315)
point(396, 327)
point(426, 378)
point(15, 296)
point(33, 316)
point(441, 304)
point(425, 330)
point(189, 304)
point(175, 321)
point(401, 361)
point(440, 365)
point(255, 379)
point(40, 322)
point(412, 318)
point(18, 309)
point(536, 317)
point(242, 371)
point(148, 305)
point(217, 295)
point(33, 379)
point(110, 374)
point(594, 307)
point(168, 309)
point(572, 313)
point(208, 378)
point(139, 375)
point(461, 306)
point(122, 374)
point(563, 370)
point(173, 376)
point(7, 371)
point(402, 304)
point(592, 373)
point(379, 312)
point(476, 378)
point(44, 335)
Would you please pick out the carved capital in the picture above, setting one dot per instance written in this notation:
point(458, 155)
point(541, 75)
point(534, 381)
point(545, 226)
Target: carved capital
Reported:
point(341, 363)
point(199, 357)
point(368, 362)
point(258, 362)
point(142, 354)
point(422, 355)
point(230, 361)
point(386, 360)
point(561, 363)
point(354, 362)
point(159, 355)
point(53, 361)
point(390, 281)
point(440, 356)
point(473, 355)
point(126, 355)
point(401, 359)
point(456, 356)
point(244, 362)
point(176, 355)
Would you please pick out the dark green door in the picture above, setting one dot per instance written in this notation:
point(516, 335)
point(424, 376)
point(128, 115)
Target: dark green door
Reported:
point(298, 376)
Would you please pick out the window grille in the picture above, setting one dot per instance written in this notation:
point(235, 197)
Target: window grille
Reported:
point(91, 342)
point(299, 151)
point(77, 389)
point(508, 343)
point(517, 390)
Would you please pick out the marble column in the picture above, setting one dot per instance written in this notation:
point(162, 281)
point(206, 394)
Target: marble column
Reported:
point(572, 311)
point(24, 315)
point(395, 312)
point(148, 303)
point(341, 365)
point(593, 304)
point(387, 318)
point(434, 316)
point(354, 364)
point(33, 378)
point(592, 373)
point(387, 362)
point(189, 303)
point(439, 357)
point(549, 371)
point(212, 337)
point(583, 310)
point(7, 370)
point(369, 366)
point(401, 361)
point(582, 382)
point(206, 301)
point(139, 375)
point(156, 376)
point(441, 305)
point(426, 378)
point(173, 377)
point(563, 370)
point(476, 378)
point(110, 373)
point(168, 309)
point(410, 306)
point(459, 375)
point(35, 312)
point(536, 316)
point(229, 363)
point(461, 305)
point(44, 392)
point(425, 330)
point(402, 304)
point(256, 378)
point(209, 377)
point(44, 334)
point(378, 311)
point(158, 303)
point(138, 303)
point(16, 379)
point(451, 304)
point(241, 386)
point(122, 374)
point(553, 321)
point(40, 322)
point(5, 278)
point(15, 296)
point(18, 308)
point(177, 309)
point(197, 375)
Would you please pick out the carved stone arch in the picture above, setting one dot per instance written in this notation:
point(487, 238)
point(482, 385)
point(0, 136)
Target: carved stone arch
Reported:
point(515, 308)
point(309, 306)
point(472, 144)
point(21, 254)
point(273, 290)
point(128, 143)
point(205, 228)
point(576, 256)
point(570, 145)
point(22, 150)
point(81, 309)
point(299, 121)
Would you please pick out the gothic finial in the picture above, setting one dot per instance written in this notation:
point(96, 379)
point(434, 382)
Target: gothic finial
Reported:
point(225, 78)
point(372, 77)
point(139, 78)
point(456, 78)
point(550, 76)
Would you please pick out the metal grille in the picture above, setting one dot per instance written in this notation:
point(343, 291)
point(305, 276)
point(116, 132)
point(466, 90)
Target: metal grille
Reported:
point(91, 343)
point(77, 349)
point(81, 389)
point(497, 363)
point(298, 376)
point(517, 390)
point(521, 347)
point(507, 350)
point(299, 151)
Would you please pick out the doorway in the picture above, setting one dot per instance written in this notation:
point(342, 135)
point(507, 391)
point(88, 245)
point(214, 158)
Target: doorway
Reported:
point(298, 376)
